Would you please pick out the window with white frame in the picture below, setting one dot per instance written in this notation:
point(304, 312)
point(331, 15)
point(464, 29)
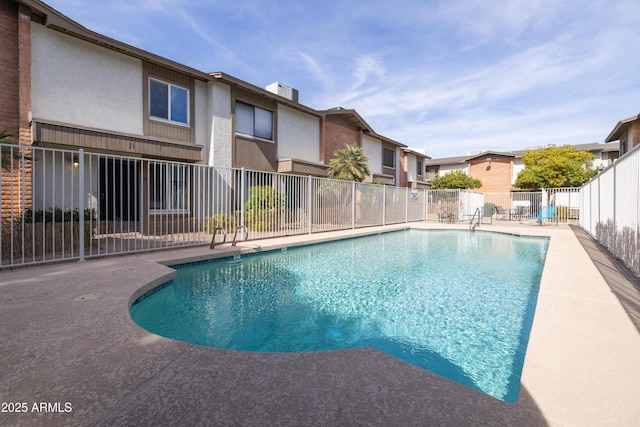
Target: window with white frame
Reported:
point(254, 121)
point(419, 168)
point(388, 158)
point(168, 187)
point(168, 102)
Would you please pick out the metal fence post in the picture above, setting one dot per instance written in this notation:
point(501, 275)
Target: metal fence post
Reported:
point(310, 203)
point(406, 205)
point(81, 202)
point(424, 211)
point(353, 205)
point(384, 204)
point(615, 217)
point(243, 173)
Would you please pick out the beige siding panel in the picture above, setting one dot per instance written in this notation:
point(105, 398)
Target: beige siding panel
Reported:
point(388, 171)
point(155, 128)
point(254, 99)
point(169, 131)
point(255, 155)
point(384, 179)
point(46, 133)
point(301, 168)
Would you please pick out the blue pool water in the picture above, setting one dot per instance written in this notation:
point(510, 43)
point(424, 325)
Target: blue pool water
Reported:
point(456, 303)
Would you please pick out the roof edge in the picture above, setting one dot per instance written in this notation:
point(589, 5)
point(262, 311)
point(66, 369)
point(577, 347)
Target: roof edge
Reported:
point(55, 20)
point(620, 127)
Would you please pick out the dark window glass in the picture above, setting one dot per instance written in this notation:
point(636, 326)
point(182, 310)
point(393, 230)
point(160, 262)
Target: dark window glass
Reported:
point(388, 158)
point(254, 121)
point(179, 104)
point(158, 99)
point(244, 118)
point(168, 102)
point(263, 123)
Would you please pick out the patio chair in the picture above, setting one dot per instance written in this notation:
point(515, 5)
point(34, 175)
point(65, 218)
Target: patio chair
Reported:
point(546, 213)
point(445, 215)
point(502, 213)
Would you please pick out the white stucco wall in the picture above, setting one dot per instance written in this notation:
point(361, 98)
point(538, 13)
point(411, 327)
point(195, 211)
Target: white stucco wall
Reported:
point(79, 83)
point(298, 135)
point(218, 151)
point(518, 166)
point(201, 116)
point(398, 166)
point(412, 165)
point(373, 149)
point(55, 181)
point(448, 168)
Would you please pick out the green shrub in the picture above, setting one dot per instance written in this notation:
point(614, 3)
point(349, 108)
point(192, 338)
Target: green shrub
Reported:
point(56, 215)
point(262, 209)
point(223, 220)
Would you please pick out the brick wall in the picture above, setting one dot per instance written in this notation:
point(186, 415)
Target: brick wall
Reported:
point(336, 137)
point(9, 87)
point(495, 175)
point(404, 169)
point(24, 78)
point(15, 104)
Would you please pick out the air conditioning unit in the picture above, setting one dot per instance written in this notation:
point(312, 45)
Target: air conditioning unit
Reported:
point(284, 91)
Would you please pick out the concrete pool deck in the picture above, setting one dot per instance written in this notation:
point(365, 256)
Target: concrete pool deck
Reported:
point(68, 342)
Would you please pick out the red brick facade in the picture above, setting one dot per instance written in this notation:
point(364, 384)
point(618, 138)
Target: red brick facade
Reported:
point(24, 70)
point(15, 103)
point(9, 66)
point(404, 169)
point(336, 136)
point(494, 171)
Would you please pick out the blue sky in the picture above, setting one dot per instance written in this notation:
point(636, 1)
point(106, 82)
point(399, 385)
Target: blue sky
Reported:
point(448, 76)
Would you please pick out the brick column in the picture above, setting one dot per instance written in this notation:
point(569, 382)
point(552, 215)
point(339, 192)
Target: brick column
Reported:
point(404, 169)
point(15, 104)
point(8, 67)
point(24, 74)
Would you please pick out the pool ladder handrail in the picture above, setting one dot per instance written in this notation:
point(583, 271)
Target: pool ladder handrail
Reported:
point(235, 235)
point(472, 226)
point(213, 238)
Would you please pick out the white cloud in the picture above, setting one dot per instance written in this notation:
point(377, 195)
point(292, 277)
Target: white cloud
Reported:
point(444, 75)
point(317, 71)
point(367, 66)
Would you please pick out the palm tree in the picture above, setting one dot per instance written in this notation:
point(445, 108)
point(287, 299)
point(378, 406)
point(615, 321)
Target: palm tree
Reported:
point(10, 156)
point(350, 164)
point(5, 152)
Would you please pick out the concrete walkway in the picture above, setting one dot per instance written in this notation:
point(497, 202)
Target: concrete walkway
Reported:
point(72, 355)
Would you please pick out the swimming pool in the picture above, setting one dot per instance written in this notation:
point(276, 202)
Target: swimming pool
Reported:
point(456, 303)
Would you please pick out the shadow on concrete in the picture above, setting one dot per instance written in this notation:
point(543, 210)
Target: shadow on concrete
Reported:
point(335, 388)
point(624, 284)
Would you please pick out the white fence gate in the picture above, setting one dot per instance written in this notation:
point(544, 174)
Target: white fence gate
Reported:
point(610, 208)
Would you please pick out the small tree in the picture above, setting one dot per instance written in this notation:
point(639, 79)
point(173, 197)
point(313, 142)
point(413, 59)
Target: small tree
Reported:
point(350, 164)
point(455, 179)
point(554, 167)
point(263, 208)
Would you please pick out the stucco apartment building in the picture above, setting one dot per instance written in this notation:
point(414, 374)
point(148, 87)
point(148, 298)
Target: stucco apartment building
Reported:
point(65, 86)
point(498, 170)
point(627, 133)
